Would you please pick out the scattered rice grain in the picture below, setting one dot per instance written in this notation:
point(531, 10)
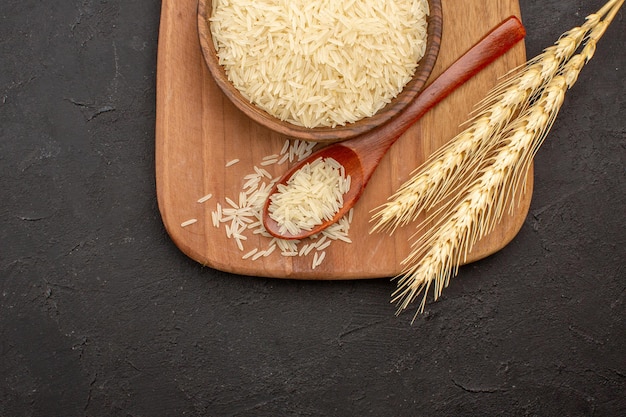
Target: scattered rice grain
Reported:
point(205, 198)
point(188, 222)
point(244, 218)
point(249, 254)
point(231, 162)
point(258, 255)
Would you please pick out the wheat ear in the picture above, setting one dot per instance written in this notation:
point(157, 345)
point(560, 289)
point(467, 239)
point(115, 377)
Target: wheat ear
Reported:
point(435, 257)
point(442, 173)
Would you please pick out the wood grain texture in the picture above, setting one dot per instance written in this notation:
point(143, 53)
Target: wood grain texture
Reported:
point(198, 130)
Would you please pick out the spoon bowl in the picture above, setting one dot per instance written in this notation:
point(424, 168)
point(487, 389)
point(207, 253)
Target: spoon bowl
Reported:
point(361, 155)
point(345, 156)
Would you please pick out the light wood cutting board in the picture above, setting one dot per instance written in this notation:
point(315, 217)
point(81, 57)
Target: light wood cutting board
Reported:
point(198, 132)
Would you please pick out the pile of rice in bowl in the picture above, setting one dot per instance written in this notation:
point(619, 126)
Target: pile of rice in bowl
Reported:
point(319, 63)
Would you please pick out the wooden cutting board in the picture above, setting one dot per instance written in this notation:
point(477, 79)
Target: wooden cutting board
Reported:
point(198, 132)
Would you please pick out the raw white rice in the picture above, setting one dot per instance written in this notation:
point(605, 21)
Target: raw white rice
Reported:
point(269, 251)
point(324, 246)
point(188, 222)
point(205, 198)
point(244, 217)
point(319, 63)
point(231, 162)
point(311, 196)
point(258, 255)
point(249, 254)
point(269, 162)
point(318, 258)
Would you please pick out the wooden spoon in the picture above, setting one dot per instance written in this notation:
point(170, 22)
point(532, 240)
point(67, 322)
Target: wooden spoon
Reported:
point(360, 156)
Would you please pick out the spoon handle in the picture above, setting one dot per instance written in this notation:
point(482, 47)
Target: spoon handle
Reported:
point(361, 155)
point(488, 49)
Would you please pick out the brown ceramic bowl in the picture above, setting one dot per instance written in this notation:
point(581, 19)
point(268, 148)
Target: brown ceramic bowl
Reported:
point(323, 134)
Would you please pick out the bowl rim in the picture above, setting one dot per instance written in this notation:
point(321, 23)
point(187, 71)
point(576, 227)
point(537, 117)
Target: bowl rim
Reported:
point(324, 134)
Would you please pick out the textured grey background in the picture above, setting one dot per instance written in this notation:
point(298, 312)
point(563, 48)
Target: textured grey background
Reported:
point(101, 315)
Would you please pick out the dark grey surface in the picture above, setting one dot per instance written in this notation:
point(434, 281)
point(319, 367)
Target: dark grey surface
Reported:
point(101, 315)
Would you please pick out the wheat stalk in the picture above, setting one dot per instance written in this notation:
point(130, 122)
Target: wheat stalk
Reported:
point(441, 174)
point(494, 173)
